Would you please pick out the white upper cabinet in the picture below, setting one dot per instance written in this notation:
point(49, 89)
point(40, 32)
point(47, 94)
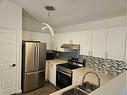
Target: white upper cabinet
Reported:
point(75, 37)
point(35, 36)
point(46, 38)
point(116, 43)
point(58, 41)
point(26, 36)
point(65, 38)
point(86, 43)
point(99, 43)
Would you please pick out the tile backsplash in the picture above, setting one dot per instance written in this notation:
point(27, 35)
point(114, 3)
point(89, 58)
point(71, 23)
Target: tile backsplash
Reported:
point(114, 67)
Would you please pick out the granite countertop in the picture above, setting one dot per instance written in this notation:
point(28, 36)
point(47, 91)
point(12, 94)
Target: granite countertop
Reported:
point(59, 92)
point(56, 61)
point(117, 86)
point(92, 78)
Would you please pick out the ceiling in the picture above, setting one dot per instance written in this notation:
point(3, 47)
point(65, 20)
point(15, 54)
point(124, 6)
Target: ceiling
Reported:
point(70, 12)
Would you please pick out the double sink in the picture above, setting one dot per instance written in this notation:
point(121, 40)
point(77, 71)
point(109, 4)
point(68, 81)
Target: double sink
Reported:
point(83, 89)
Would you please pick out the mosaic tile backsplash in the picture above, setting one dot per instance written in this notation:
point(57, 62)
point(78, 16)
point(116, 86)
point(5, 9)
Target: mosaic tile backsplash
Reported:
point(114, 67)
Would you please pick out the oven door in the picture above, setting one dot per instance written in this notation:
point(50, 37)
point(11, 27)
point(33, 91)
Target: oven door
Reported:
point(63, 79)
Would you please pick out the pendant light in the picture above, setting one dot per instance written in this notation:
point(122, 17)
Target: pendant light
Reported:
point(47, 26)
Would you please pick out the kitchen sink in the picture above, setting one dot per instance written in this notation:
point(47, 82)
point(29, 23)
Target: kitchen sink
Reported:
point(74, 91)
point(88, 86)
point(83, 89)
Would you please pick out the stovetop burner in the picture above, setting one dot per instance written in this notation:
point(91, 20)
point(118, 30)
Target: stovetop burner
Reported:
point(64, 72)
point(69, 66)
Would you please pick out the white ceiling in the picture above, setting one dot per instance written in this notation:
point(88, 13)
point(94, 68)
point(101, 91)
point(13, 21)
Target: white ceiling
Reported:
point(69, 12)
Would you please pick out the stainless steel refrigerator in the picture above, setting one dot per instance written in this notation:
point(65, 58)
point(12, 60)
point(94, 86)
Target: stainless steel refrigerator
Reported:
point(33, 65)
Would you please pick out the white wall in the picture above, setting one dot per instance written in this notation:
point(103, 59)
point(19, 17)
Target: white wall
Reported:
point(10, 15)
point(38, 36)
point(30, 23)
point(100, 24)
point(11, 18)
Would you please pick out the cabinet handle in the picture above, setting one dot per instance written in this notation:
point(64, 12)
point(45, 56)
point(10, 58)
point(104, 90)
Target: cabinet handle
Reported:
point(91, 53)
point(106, 55)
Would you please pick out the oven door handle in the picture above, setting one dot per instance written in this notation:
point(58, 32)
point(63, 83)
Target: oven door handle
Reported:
point(64, 73)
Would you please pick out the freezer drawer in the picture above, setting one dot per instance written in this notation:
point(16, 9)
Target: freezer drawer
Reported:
point(34, 80)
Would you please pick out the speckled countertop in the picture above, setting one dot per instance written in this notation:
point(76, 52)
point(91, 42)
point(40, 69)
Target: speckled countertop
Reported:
point(104, 78)
point(91, 77)
point(56, 61)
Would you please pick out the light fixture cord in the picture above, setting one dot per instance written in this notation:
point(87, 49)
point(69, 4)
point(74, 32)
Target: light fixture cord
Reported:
point(49, 17)
point(125, 12)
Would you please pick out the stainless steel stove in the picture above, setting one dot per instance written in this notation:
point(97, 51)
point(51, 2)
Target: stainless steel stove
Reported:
point(64, 72)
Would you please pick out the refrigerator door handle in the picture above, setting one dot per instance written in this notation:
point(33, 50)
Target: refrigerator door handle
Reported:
point(38, 55)
point(34, 56)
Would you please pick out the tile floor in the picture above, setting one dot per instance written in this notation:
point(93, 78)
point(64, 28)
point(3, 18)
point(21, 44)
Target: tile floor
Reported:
point(46, 90)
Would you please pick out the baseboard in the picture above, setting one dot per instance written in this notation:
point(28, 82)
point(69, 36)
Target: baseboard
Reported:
point(19, 91)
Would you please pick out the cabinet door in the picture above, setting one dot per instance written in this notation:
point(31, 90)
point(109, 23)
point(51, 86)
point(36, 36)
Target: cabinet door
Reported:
point(56, 42)
point(47, 71)
point(76, 79)
point(46, 38)
point(74, 38)
point(26, 35)
point(65, 38)
point(59, 40)
point(35, 36)
point(52, 73)
point(86, 43)
point(116, 43)
point(99, 43)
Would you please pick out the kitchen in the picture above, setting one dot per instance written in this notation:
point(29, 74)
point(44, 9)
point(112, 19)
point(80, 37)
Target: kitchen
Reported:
point(86, 55)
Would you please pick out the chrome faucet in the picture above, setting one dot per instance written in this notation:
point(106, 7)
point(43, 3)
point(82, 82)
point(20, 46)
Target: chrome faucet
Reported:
point(94, 74)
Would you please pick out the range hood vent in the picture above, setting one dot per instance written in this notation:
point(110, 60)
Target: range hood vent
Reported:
point(71, 46)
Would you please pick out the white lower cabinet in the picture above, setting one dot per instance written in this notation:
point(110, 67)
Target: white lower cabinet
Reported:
point(51, 73)
point(47, 71)
point(76, 79)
